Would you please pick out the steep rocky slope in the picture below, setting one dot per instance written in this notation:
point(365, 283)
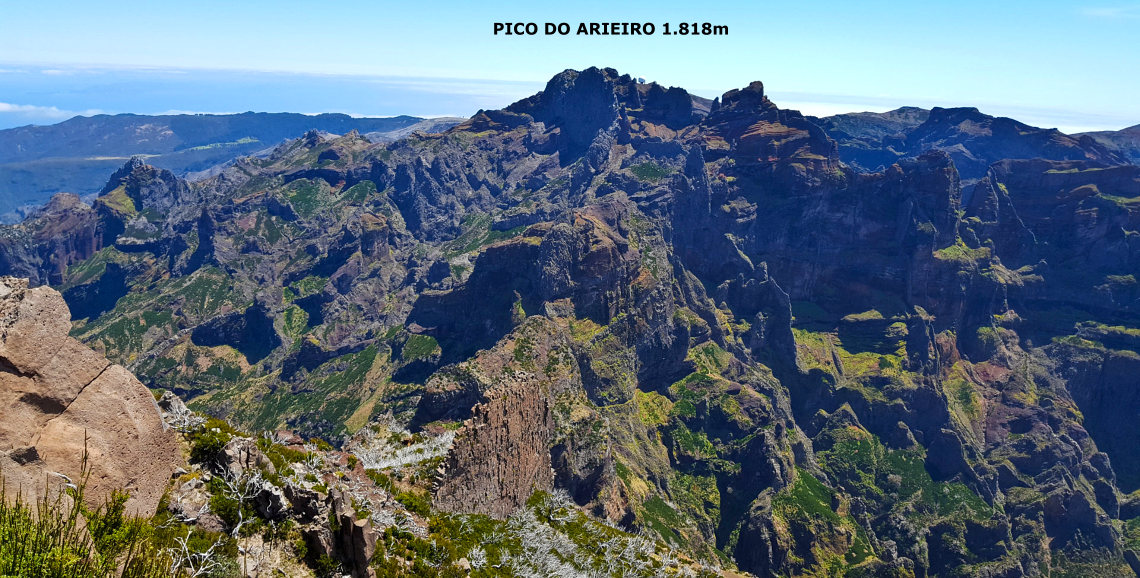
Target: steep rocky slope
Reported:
point(1126, 141)
point(696, 321)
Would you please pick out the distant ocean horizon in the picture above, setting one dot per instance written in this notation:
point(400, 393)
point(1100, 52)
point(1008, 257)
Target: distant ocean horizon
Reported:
point(45, 94)
point(42, 95)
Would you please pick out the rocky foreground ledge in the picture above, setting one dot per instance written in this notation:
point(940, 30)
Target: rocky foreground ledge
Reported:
point(56, 392)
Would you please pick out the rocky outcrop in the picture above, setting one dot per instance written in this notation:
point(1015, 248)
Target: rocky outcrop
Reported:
point(63, 232)
point(240, 454)
point(63, 400)
point(581, 104)
point(353, 538)
point(1106, 387)
point(501, 455)
point(871, 142)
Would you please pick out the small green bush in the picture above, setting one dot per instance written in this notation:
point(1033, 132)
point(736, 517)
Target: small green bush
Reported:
point(327, 566)
point(415, 503)
point(48, 539)
point(381, 480)
point(211, 437)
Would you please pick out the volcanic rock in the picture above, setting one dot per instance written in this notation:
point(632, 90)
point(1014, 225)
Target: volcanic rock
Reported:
point(66, 404)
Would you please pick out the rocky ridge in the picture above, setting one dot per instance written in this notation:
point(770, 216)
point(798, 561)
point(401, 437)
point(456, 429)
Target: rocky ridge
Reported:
point(873, 141)
point(702, 322)
point(77, 154)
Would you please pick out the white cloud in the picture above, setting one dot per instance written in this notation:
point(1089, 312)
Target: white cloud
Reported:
point(1113, 12)
point(31, 109)
point(20, 114)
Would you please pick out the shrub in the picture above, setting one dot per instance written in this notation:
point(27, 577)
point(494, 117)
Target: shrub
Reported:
point(381, 480)
point(209, 440)
point(327, 566)
point(415, 503)
point(49, 539)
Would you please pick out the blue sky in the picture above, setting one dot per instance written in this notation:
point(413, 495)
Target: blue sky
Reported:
point(1072, 65)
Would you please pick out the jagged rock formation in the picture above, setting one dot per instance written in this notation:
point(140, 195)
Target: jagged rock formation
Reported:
point(62, 399)
point(62, 232)
point(501, 455)
point(77, 155)
point(701, 319)
point(874, 141)
point(356, 539)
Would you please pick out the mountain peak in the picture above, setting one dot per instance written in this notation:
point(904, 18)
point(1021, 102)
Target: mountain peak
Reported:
point(581, 103)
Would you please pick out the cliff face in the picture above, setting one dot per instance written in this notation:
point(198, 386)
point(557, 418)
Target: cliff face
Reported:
point(501, 454)
point(62, 232)
point(61, 398)
point(697, 320)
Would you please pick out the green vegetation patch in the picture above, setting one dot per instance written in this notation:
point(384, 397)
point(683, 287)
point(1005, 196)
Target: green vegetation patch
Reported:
point(694, 444)
point(93, 267)
point(698, 497)
point(867, 469)
point(477, 233)
point(332, 392)
point(806, 507)
point(310, 285)
point(217, 145)
point(1077, 341)
point(359, 192)
point(650, 172)
point(653, 409)
point(296, 321)
point(710, 358)
point(120, 201)
point(663, 519)
point(419, 347)
point(961, 253)
point(307, 196)
point(941, 498)
point(962, 393)
point(806, 497)
point(1132, 534)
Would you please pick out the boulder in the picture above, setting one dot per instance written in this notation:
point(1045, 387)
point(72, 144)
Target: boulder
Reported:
point(356, 538)
point(241, 454)
point(172, 404)
point(64, 403)
point(270, 502)
point(307, 505)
